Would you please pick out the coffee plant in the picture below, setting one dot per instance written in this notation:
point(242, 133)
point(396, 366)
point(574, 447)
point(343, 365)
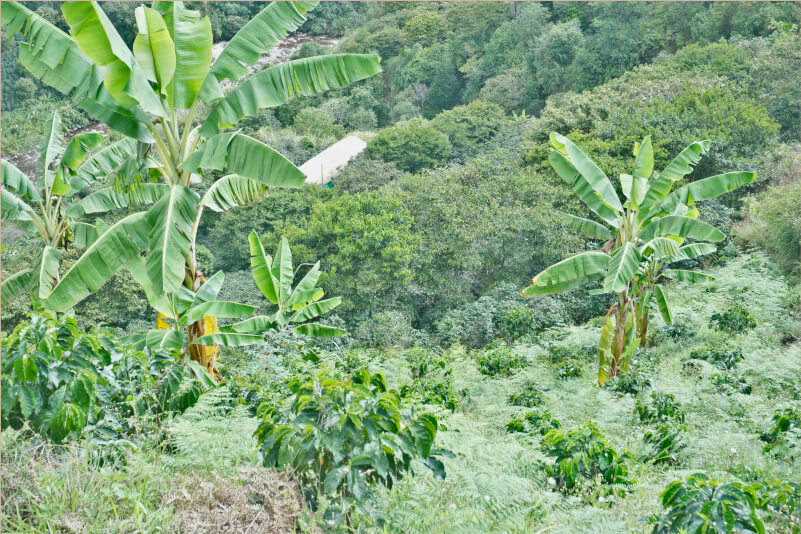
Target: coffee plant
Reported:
point(734, 320)
point(662, 407)
point(783, 421)
point(499, 361)
point(663, 444)
point(722, 357)
point(542, 422)
point(529, 396)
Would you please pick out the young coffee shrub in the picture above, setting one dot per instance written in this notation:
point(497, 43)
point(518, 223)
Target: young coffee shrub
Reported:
point(722, 357)
point(783, 421)
point(518, 322)
point(66, 382)
point(515, 425)
point(500, 361)
point(344, 433)
point(729, 383)
point(673, 332)
point(734, 320)
point(636, 381)
point(542, 422)
point(702, 505)
point(583, 459)
point(529, 396)
point(662, 407)
point(432, 378)
point(663, 444)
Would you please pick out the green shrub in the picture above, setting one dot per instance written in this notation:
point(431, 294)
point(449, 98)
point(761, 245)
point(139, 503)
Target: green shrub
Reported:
point(542, 422)
point(736, 319)
point(529, 396)
point(500, 361)
point(635, 381)
point(783, 421)
point(515, 425)
point(701, 505)
point(66, 382)
point(663, 407)
point(569, 369)
point(342, 434)
point(432, 379)
point(729, 383)
point(663, 444)
point(723, 357)
point(469, 126)
point(582, 459)
point(471, 324)
point(673, 332)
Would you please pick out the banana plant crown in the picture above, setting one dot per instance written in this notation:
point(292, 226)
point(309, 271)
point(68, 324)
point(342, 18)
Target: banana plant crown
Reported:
point(643, 231)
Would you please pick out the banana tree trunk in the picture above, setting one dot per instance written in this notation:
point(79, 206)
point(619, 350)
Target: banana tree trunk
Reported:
point(204, 355)
point(619, 343)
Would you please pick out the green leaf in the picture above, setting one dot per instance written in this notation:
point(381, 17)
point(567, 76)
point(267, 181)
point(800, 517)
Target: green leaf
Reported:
point(593, 176)
point(47, 270)
point(315, 309)
point(69, 418)
point(53, 57)
point(707, 189)
point(581, 187)
point(52, 144)
point(678, 168)
point(282, 269)
point(109, 198)
point(622, 268)
point(98, 39)
point(270, 26)
point(662, 302)
point(210, 288)
point(569, 273)
point(687, 276)
point(171, 219)
point(319, 330)
point(122, 241)
point(334, 478)
point(27, 401)
point(101, 164)
point(78, 147)
point(261, 264)
point(82, 391)
point(228, 339)
point(192, 38)
point(153, 47)
point(681, 226)
point(12, 208)
point(232, 191)
point(695, 250)
point(259, 324)
point(216, 308)
point(247, 157)
point(586, 227)
point(643, 164)
point(15, 285)
point(660, 247)
point(13, 178)
point(165, 339)
point(276, 85)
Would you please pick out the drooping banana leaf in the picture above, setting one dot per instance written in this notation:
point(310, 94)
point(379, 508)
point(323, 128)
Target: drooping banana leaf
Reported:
point(681, 226)
point(319, 330)
point(217, 308)
point(591, 173)
point(171, 219)
point(98, 39)
point(15, 285)
point(124, 240)
point(228, 339)
point(662, 302)
point(276, 85)
point(586, 227)
point(13, 178)
point(12, 208)
point(572, 272)
point(245, 156)
point(305, 291)
point(583, 189)
point(270, 26)
point(660, 247)
point(53, 57)
point(210, 288)
point(687, 276)
point(102, 163)
point(706, 189)
point(78, 147)
point(232, 191)
point(315, 309)
point(47, 270)
point(108, 199)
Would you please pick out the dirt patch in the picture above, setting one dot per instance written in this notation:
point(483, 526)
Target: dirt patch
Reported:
point(258, 500)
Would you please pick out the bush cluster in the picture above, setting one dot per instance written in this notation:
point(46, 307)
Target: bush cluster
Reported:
point(499, 361)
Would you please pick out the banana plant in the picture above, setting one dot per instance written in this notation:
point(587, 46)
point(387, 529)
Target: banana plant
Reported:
point(297, 305)
point(641, 233)
point(40, 203)
point(153, 93)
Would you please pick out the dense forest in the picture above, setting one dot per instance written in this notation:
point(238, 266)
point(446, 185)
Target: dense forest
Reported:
point(559, 290)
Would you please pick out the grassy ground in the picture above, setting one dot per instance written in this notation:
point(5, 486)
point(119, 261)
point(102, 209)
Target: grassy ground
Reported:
point(206, 480)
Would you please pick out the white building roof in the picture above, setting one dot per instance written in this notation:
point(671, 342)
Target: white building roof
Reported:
point(324, 165)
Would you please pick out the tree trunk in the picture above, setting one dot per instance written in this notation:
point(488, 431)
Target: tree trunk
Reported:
point(619, 342)
point(204, 355)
